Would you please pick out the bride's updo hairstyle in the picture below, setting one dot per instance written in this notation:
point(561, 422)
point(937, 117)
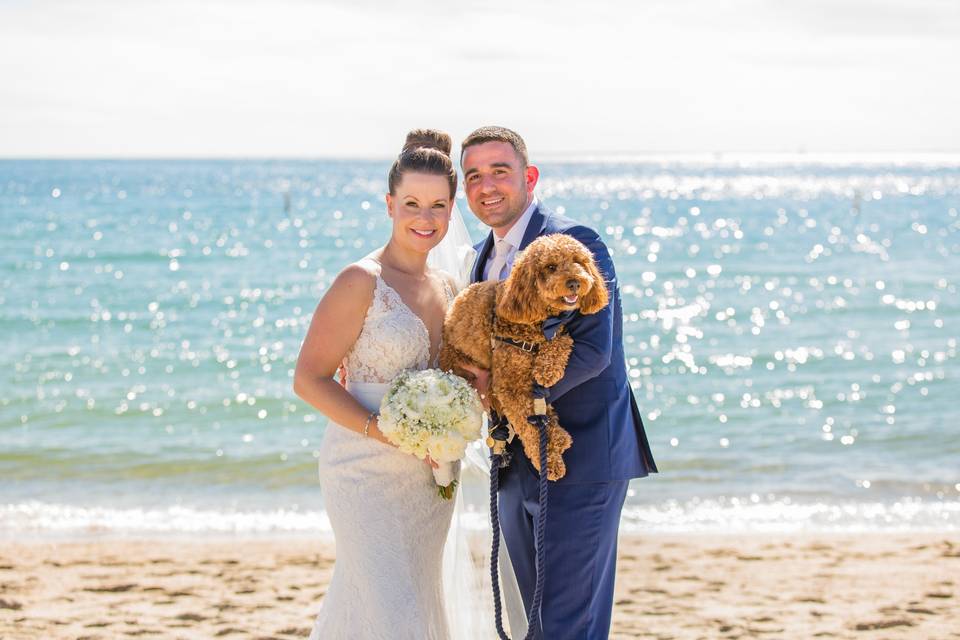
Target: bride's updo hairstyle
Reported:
point(425, 151)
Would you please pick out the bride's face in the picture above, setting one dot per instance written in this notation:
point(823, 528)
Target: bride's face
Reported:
point(420, 210)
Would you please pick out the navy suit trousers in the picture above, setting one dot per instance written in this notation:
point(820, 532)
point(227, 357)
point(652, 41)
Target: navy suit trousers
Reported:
point(581, 549)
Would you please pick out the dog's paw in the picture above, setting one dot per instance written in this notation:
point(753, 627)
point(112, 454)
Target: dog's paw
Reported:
point(551, 363)
point(547, 374)
point(556, 468)
point(560, 441)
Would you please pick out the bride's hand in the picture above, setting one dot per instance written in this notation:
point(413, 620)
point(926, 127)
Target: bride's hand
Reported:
point(374, 432)
point(480, 382)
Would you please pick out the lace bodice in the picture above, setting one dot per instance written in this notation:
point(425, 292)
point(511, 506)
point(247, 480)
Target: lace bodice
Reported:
point(393, 338)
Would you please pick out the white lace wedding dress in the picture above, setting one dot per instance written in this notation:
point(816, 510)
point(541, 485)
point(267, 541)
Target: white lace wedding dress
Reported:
point(390, 525)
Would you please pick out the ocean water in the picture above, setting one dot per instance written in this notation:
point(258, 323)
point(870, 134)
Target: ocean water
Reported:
point(791, 330)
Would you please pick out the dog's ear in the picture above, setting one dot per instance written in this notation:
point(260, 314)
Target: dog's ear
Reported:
point(597, 298)
point(520, 302)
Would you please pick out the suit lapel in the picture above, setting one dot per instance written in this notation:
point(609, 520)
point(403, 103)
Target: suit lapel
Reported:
point(482, 256)
point(534, 228)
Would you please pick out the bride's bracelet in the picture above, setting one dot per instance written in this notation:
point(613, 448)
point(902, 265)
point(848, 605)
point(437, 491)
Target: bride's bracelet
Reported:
point(366, 425)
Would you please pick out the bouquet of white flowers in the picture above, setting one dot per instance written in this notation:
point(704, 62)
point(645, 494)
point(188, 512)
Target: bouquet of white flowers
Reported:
point(435, 413)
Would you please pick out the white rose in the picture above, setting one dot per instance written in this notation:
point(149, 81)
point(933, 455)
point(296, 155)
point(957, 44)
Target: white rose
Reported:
point(416, 444)
point(420, 451)
point(447, 448)
point(469, 427)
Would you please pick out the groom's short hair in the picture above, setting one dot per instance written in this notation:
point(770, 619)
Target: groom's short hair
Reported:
point(496, 134)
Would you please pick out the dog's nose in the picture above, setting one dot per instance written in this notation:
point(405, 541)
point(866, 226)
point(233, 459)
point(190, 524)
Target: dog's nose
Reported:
point(573, 285)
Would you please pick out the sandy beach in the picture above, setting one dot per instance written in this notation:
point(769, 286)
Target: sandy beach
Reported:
point(669, 587)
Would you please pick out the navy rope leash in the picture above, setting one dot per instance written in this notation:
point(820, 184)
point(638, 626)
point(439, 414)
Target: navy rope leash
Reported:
point(500, 432)
point(503, 460)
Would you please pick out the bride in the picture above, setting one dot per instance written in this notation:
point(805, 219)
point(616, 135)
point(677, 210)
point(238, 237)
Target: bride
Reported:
point(381, 315)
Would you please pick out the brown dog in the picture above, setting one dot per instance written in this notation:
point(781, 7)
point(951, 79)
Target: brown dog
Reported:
point(555, 273)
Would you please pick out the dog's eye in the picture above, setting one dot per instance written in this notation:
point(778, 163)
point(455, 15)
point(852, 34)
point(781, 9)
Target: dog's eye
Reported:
point(551, 268)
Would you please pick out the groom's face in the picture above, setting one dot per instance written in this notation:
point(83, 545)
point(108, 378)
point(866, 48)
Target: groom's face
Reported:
point(499, 187)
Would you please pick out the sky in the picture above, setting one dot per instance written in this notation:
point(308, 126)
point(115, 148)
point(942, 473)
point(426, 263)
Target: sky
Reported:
point(299, 78)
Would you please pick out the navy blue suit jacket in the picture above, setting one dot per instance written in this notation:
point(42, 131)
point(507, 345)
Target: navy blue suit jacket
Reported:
point(593, 400)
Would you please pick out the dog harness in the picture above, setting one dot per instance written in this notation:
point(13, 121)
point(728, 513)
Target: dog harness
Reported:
point(550, 327)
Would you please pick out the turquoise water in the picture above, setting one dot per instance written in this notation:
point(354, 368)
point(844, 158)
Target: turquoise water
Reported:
point(791, 333)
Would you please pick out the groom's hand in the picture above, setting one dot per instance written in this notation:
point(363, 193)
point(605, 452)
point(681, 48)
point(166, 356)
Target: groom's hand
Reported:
point(480, 382)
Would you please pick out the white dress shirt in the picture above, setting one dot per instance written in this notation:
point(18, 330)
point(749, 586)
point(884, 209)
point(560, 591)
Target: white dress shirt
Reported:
point(513, 239)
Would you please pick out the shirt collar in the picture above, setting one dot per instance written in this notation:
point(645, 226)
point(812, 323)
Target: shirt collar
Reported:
point(517, 231)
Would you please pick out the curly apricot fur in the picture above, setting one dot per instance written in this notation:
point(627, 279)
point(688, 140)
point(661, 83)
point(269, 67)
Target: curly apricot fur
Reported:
point(551, 268)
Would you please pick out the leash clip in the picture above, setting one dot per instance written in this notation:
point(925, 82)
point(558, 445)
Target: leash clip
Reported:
point(500, 436)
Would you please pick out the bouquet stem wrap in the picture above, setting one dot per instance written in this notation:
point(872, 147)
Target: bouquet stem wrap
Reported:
point(446, 479)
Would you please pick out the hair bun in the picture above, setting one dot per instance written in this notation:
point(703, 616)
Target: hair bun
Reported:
point(429, 139)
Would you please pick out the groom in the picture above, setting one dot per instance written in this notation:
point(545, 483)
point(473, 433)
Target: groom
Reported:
point(593, 402)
